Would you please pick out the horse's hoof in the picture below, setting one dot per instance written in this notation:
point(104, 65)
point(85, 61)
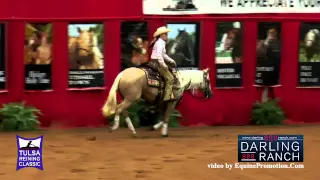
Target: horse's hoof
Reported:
point(166, 135)
point(110, 130)
point(134, 135)
point(152, 128)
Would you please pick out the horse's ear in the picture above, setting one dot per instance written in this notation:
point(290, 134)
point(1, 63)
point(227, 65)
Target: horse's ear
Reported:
point(79, 29)
point(92, 29)
point(207, 70)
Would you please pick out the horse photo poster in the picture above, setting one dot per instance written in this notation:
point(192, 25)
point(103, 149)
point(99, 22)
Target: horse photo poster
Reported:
point(183, 7)
point(268, 54)
point(309, 55)
point(134, 43)
point(183, 44)
point(38, 56)
point(229, 55)
point(86, 60)
point(2, 56)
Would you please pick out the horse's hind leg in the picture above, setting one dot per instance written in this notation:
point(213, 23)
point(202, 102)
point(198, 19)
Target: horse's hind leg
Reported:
point(120, 108)
point(125, 113)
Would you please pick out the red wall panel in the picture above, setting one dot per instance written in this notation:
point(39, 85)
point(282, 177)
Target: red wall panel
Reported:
point(82, 108)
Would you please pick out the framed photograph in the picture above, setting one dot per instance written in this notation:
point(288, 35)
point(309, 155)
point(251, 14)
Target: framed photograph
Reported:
point(38, 56)
point(228, 52)
point(183, 44)
point(134, 43)
point(268, 53)
point(2, 56)
point(309, 55)
point(86, 59)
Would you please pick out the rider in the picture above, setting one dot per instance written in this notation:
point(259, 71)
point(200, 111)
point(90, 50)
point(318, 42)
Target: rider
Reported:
point(159, 55)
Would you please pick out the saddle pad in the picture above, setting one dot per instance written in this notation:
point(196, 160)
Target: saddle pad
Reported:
point(153, 77)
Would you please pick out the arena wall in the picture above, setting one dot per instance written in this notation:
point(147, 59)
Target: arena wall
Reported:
point(82, 108)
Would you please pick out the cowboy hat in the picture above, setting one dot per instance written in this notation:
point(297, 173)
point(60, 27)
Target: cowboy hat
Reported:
point(161, 30)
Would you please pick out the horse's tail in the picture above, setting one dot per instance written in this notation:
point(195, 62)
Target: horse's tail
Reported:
point(110, 105)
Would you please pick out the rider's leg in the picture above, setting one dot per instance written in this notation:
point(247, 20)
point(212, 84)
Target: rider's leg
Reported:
point(169, 82)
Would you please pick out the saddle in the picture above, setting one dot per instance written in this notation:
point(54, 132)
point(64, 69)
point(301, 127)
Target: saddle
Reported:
point(153, 76)
point(154, 79)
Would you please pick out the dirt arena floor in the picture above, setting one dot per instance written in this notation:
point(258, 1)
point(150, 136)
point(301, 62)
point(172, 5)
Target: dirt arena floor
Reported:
point(93, 154)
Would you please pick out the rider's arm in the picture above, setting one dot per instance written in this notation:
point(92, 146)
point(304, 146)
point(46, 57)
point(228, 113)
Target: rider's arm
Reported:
point(168, 59)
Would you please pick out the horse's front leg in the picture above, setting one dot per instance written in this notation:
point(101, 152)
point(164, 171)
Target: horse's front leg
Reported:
point(159, 124)
point(169, 109)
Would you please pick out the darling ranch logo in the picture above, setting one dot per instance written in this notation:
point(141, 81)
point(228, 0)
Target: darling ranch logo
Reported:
point(29, 152)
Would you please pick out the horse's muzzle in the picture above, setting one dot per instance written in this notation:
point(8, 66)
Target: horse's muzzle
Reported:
point(208, 95)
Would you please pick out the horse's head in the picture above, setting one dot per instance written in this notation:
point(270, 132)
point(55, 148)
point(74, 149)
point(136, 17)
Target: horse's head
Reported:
point(272, 35)
point(311, 37)
point(136, 42)
point(206, 84)
point(86, 41)
point(180, 39)
point(229, 40)
point(181, 33)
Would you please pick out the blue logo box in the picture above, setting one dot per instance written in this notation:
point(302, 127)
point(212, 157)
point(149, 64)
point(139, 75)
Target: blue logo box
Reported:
point(270, 148)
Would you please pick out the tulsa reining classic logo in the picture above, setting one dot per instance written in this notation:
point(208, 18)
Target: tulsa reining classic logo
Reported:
point(29, 152)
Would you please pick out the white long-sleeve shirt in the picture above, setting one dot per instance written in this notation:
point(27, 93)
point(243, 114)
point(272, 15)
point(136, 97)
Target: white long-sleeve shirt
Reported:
point(159, 52)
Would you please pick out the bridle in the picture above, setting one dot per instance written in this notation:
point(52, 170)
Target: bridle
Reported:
point(207, 85)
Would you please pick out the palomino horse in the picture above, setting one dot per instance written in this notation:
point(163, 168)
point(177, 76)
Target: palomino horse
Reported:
point(182, 49)
point(312, 43)
point(84, 52)
point(132, 84)
point(234, 42)
point(44, 51)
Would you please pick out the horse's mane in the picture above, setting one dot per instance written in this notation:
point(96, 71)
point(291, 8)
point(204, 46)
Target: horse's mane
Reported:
point(183, 34)
point(238, 34)
point(194, 77)
point(72, 44)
